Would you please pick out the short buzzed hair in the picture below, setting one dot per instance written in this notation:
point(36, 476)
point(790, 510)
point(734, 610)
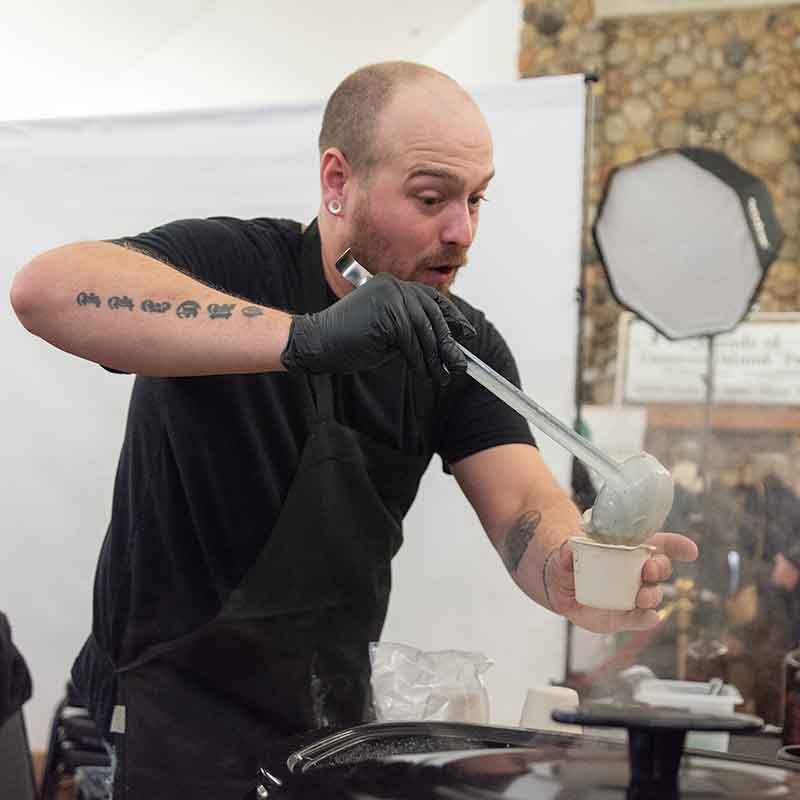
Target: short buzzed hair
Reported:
point(353, 110)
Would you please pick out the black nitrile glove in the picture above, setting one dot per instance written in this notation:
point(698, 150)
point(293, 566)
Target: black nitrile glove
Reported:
point(367, 326)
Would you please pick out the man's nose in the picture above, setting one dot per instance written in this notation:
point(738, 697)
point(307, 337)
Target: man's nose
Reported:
point(459, 227)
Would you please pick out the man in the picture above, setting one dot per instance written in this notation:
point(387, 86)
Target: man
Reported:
point(247, 564)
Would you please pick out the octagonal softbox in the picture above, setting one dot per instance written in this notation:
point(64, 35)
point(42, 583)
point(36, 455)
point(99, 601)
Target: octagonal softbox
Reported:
point(686, 237)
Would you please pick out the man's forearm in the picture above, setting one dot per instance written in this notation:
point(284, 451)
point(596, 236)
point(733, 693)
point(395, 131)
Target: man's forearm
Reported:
point(537, 532)
point(125, 310)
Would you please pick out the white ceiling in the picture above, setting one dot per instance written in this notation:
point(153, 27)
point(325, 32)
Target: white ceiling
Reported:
point(109, 56)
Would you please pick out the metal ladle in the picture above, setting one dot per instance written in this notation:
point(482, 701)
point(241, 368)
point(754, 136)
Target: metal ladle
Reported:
point(637, 493)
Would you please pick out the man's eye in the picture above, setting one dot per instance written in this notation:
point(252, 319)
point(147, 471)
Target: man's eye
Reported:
point(429, 201)
point(477, 199)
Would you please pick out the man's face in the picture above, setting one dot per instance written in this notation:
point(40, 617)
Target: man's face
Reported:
point(416, 214)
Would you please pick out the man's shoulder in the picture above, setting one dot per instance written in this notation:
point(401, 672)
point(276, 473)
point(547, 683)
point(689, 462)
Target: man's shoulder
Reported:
point(264, 243)
point(274, 230)
point(251, 258)
point(191, 236)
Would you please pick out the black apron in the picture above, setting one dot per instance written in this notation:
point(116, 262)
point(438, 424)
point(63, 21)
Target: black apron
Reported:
point(289, 650)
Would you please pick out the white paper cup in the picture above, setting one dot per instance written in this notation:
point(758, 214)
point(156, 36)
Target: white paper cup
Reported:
point(608, 576)
point(540, 704)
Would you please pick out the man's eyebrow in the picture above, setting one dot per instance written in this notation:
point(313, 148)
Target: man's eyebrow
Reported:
point(442, 174)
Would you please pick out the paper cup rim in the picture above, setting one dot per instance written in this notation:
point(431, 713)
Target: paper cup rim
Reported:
point(587, 542)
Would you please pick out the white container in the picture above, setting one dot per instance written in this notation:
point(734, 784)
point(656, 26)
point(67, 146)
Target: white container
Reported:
point(540, 704)
point(694, 696)
point(608, 576)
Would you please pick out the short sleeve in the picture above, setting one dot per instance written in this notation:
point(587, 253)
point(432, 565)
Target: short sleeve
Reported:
point(242, 258)
point(235, 256)
point(473, 418)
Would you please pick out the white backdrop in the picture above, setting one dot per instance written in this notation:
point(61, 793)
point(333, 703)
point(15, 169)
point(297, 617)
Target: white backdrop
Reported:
point(63, 418)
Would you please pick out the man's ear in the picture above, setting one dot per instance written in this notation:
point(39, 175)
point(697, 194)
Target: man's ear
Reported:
point(334, 174)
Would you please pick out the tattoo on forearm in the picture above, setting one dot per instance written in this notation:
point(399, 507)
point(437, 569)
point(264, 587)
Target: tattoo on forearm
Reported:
point(88, 299)
point(220, 310)
point(252, 311)
point(518, 538)
point(188, 309)
point(154, 307)
point(116, 302)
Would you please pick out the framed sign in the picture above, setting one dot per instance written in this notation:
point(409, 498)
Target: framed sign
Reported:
point(758, 363)
point(624, 8)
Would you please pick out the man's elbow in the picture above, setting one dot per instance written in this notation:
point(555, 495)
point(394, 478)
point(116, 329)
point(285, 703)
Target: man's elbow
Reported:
point(23, 295)
point(30, 291)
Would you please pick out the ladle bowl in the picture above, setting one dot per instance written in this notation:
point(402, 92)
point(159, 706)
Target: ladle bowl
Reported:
point(632, 506)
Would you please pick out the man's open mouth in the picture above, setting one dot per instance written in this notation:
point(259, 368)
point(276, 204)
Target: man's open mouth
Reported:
point(445, 269)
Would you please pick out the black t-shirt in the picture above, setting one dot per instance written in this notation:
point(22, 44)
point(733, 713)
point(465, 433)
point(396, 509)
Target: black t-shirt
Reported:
point(207, 461)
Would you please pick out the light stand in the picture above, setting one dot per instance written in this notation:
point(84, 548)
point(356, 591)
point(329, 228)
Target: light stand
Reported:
point(686, 237)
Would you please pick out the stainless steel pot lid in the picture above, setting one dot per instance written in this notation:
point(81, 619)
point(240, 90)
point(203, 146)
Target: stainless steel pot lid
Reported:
point(449, 761)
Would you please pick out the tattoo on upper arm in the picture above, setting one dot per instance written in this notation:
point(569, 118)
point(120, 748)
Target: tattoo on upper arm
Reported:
point(116, 302)
point(518, 537)
point(220, 310)
point(154, 307)
point(187, 309)
point(88, 299)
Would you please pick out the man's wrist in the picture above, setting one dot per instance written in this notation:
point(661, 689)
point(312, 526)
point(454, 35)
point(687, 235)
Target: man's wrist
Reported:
point(302, 345)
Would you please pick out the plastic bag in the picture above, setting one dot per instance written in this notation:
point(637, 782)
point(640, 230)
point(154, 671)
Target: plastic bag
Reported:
point(410, 684)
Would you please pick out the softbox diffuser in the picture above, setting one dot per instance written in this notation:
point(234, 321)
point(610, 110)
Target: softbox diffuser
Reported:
point(685, 237)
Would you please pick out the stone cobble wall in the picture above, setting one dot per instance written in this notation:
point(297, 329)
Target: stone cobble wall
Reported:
point(728, 80)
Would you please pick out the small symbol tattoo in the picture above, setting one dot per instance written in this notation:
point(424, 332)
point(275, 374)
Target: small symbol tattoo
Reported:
point(88, 299)
point(220, 310)
point(188, 309)
point(120, 302)
point(252, 311)
point(518, 538)
point(156, 307)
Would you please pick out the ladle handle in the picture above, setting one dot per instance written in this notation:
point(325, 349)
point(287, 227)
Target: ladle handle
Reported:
point(560, 433)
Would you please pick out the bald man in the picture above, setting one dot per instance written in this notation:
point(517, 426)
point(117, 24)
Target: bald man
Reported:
point(279, 426)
